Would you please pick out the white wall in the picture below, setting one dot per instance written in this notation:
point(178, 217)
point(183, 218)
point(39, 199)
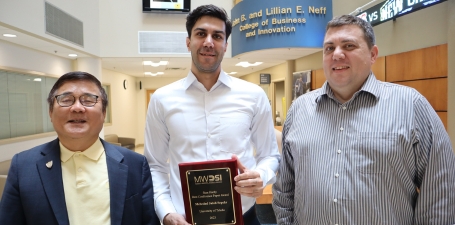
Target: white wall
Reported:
point(123, 104)
point(28, 60)
point(121, 20)
point(28, 16)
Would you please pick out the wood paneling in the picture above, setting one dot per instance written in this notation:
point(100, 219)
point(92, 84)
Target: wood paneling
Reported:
point(266, 197)
point(443, 116)
point(435, 90)
point(378, 68)
point(418, 64)
point(317, 78)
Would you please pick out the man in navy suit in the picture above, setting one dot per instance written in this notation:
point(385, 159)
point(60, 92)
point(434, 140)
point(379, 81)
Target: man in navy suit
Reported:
point(78, 178)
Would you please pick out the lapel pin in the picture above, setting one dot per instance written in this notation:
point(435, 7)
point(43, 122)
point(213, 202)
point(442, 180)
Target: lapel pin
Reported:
point(49, 164)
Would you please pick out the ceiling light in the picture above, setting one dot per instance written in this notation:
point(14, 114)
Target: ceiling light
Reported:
point(9, 35)
point(37, 79)
point(232, 73)
point(247, 64)
point(153, 74)
point(72, 55)
point(151, 63)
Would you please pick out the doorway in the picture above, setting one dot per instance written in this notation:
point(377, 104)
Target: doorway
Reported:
point(278, 102)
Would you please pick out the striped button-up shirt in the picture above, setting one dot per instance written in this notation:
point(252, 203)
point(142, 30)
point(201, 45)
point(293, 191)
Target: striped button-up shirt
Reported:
point(383, 157)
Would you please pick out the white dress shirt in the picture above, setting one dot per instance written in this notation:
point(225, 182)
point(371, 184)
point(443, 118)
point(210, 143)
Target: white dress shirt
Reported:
point(187, 123)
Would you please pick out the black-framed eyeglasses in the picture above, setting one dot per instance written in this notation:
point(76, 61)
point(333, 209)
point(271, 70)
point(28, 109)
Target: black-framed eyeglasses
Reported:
point(67, 100)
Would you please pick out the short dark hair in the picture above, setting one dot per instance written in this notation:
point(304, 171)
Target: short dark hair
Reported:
point(208, 10)
point(366, 27)
point(76, 76)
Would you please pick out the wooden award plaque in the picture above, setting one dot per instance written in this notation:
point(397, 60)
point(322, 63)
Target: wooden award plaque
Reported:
point(208, 192)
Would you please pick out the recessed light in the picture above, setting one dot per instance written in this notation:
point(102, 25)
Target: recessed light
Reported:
point(153, 74)
point(232, 73)
point(247, 64)
point(150, 63)
point(37, 79)
point(72, 55)
point(9, 35)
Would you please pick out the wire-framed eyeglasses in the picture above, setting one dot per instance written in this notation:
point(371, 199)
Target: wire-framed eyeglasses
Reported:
point(67, 100)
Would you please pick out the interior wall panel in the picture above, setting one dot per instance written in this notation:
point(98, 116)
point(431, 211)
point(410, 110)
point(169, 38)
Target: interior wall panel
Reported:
point(378, 68)
point(434, 90)
point(418, 64)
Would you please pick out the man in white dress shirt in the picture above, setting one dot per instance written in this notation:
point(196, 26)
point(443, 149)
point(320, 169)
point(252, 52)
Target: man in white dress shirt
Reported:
point(209, 115)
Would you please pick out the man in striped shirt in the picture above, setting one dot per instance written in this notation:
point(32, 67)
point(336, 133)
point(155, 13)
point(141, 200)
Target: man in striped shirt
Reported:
point(362, 151)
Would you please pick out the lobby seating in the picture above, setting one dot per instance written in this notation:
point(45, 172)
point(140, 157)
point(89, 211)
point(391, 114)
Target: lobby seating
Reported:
point(4, 168)
point(129, 143)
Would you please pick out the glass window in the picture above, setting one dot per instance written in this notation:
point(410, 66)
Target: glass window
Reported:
point(23, 106)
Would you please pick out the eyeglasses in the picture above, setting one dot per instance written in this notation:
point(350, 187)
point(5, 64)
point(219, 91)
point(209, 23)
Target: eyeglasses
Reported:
point(67, 100)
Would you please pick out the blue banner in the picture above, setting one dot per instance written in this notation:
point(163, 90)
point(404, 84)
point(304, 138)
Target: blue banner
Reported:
point(266, 24)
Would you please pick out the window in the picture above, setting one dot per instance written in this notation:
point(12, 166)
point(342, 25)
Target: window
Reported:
point(108, 119)
point(23, 106)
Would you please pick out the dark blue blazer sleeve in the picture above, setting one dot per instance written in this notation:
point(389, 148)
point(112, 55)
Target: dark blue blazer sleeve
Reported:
point(11, 210)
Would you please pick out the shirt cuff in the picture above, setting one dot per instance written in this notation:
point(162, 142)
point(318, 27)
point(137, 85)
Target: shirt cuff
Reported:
point(164, 206)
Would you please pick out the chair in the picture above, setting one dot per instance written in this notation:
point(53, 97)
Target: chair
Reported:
point(129, 143)
point(4, 167)
point(2, 184)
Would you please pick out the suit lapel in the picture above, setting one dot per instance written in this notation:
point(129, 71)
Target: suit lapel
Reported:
point(50, 171)
point(118, 180)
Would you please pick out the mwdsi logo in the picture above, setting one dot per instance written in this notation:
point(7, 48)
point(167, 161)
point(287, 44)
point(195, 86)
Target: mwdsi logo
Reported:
point(208, 179)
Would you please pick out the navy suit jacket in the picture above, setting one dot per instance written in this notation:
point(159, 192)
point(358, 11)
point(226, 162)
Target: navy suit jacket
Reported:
point(34, 193)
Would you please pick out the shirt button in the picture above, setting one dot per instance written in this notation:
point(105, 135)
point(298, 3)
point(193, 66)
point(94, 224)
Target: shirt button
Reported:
point(344, 107)
point(209, 135)
point(335, 200)
point(337, 175)
point(80, 169)
point(341, 128)
point(339, 151)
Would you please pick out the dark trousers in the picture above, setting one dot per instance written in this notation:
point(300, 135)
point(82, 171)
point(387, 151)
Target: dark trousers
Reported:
point(250, 218)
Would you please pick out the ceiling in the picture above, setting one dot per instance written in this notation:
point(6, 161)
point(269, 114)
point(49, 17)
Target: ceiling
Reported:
point(177, 66)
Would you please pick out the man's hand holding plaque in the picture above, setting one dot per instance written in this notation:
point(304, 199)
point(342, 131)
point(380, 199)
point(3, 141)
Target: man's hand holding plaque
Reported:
point(248, 182)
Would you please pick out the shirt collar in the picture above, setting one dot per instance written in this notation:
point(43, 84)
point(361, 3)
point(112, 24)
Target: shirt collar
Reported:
point(223, 78)
point(371, 86)
point(94, 152)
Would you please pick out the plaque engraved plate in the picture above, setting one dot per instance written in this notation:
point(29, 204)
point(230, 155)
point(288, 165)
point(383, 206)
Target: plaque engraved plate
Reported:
point(208, 192)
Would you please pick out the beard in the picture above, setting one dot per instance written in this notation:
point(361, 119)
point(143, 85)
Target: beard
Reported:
point(210, 68)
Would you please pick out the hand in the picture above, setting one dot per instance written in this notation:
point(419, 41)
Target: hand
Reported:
point(248, 183)
point(174, 219)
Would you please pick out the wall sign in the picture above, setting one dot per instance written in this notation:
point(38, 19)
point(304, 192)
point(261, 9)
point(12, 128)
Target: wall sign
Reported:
point(266, 24)
point(264, 78)
point(392, 9)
